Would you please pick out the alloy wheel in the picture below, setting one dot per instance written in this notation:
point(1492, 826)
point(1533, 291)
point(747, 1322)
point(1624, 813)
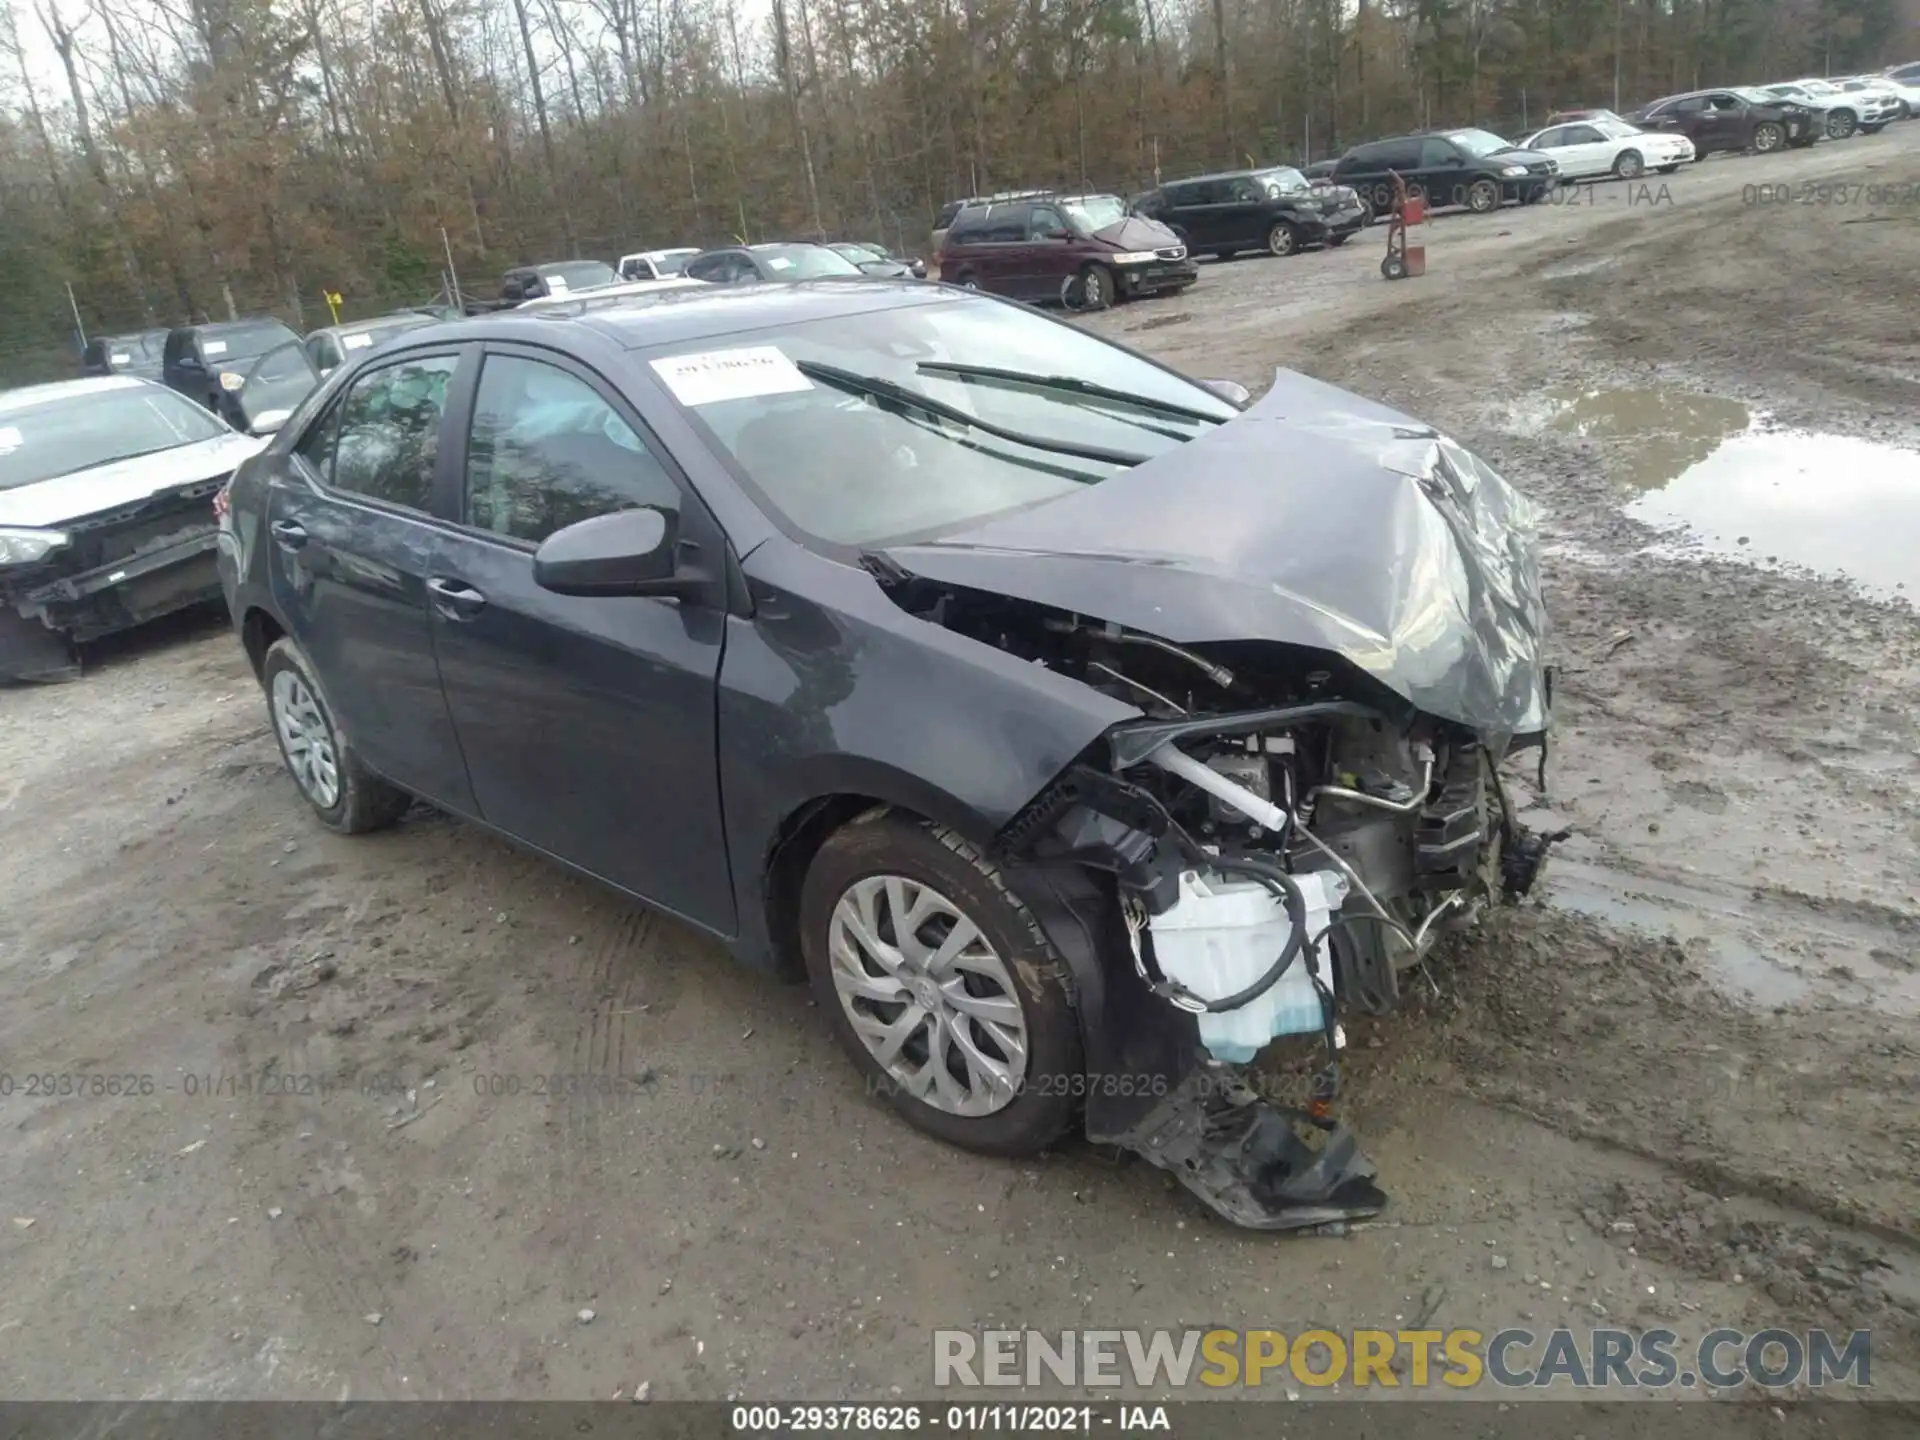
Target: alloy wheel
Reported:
point(1629, 164)
point(1483, 197)
point(1280, 240)
point(928, 995)
point(1767, 138)
point(306, 739)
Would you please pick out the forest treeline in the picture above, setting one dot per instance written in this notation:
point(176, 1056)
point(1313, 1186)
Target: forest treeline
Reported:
point(186, 156)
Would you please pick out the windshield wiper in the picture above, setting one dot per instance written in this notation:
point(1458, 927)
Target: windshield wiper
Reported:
point(882, 389)
point(1072, 385)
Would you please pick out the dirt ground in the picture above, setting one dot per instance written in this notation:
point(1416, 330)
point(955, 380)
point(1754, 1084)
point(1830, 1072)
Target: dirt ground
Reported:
point(1679, 1088)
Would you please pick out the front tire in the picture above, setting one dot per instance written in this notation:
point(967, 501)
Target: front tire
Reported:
point(1282, 239)
point(1767, 138)
point(941, 985)
point(1628, 165)
point(1840, 124)
point(345, 795)
point(1483, 197)
point(1097, 288)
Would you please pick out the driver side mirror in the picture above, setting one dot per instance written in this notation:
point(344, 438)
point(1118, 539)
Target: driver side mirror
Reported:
point(1056, 234)
point(629, 552)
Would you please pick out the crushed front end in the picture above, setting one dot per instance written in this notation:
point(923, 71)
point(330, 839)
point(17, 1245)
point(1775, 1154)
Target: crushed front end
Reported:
point(1329, 619)
point(101, 573)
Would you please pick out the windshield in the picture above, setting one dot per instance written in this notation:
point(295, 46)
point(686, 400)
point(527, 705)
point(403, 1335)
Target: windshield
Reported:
point(59, 436)
point(1615, 129)
point(1478, 142)
point(577, 275)
point(1282, 179)
point(804, 262)
point(852, 470)
point(224, 344)
point(672, 262)
point(1772, 95)
point(365, 337)
point(1091, 214)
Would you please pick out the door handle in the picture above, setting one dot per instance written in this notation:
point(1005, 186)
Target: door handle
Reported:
point(288, 535)
point(455, 599)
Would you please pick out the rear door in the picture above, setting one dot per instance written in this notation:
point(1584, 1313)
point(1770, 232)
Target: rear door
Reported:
point(354, 541)
point(588, 724)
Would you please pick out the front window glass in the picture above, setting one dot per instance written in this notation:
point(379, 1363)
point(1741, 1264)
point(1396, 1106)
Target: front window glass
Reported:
point(853, 469)
point(45, 439)
point(546, 451)
point(1093, 213)
point(390, 431)
point(1478, 143)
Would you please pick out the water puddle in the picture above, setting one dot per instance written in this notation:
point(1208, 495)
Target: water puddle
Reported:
point(1744, 489)
point(1661, 433)
point(1731, 962)
point(1740, 941)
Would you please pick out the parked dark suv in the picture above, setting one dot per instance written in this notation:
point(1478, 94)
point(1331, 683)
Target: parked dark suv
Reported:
point(1277, 210)
point(1733, 120)
point(134, 354)
point(1086, 251)
point(1473, 168)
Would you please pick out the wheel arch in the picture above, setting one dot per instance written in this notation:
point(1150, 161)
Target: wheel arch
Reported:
point(862, 789)
point(259, 628)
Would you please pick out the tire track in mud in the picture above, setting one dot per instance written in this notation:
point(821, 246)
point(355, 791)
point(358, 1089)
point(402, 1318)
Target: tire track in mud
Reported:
point(596, 1079)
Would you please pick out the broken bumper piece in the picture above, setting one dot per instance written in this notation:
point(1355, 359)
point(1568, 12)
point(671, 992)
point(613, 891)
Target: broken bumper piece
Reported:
point(1248, 1159)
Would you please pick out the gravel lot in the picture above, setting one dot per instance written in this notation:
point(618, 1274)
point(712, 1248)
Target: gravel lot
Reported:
point(1680, 1089)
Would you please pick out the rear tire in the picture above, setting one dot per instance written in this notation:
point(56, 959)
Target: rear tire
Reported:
point(345, 795)
point(885, 844)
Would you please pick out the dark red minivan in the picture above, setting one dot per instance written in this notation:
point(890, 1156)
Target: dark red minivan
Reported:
point(1084, 251)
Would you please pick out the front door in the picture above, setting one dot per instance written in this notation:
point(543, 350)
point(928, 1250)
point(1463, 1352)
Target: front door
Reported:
point(1046, 259)
point(352, 545)
point(588, 724)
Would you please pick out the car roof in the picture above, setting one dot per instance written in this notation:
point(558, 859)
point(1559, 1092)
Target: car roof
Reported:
point(27, 395)
point(675, 316)
point(1233, 174)
point(227, 327)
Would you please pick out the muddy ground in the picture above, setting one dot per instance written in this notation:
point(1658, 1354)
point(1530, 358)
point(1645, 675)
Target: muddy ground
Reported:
point(1680, 1089)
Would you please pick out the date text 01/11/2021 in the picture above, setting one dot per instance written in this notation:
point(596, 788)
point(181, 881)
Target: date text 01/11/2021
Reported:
point(954, 1419)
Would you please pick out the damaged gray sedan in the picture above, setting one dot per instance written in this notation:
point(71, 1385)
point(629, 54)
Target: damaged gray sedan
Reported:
point(106, 514)
point(1080, 730)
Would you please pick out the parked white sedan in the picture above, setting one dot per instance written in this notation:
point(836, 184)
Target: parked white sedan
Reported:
point(1588, 149)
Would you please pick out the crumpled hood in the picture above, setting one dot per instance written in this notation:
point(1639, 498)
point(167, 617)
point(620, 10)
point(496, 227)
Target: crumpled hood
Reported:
point(1137, 232)
point(124, 482)
point(1317, 519)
